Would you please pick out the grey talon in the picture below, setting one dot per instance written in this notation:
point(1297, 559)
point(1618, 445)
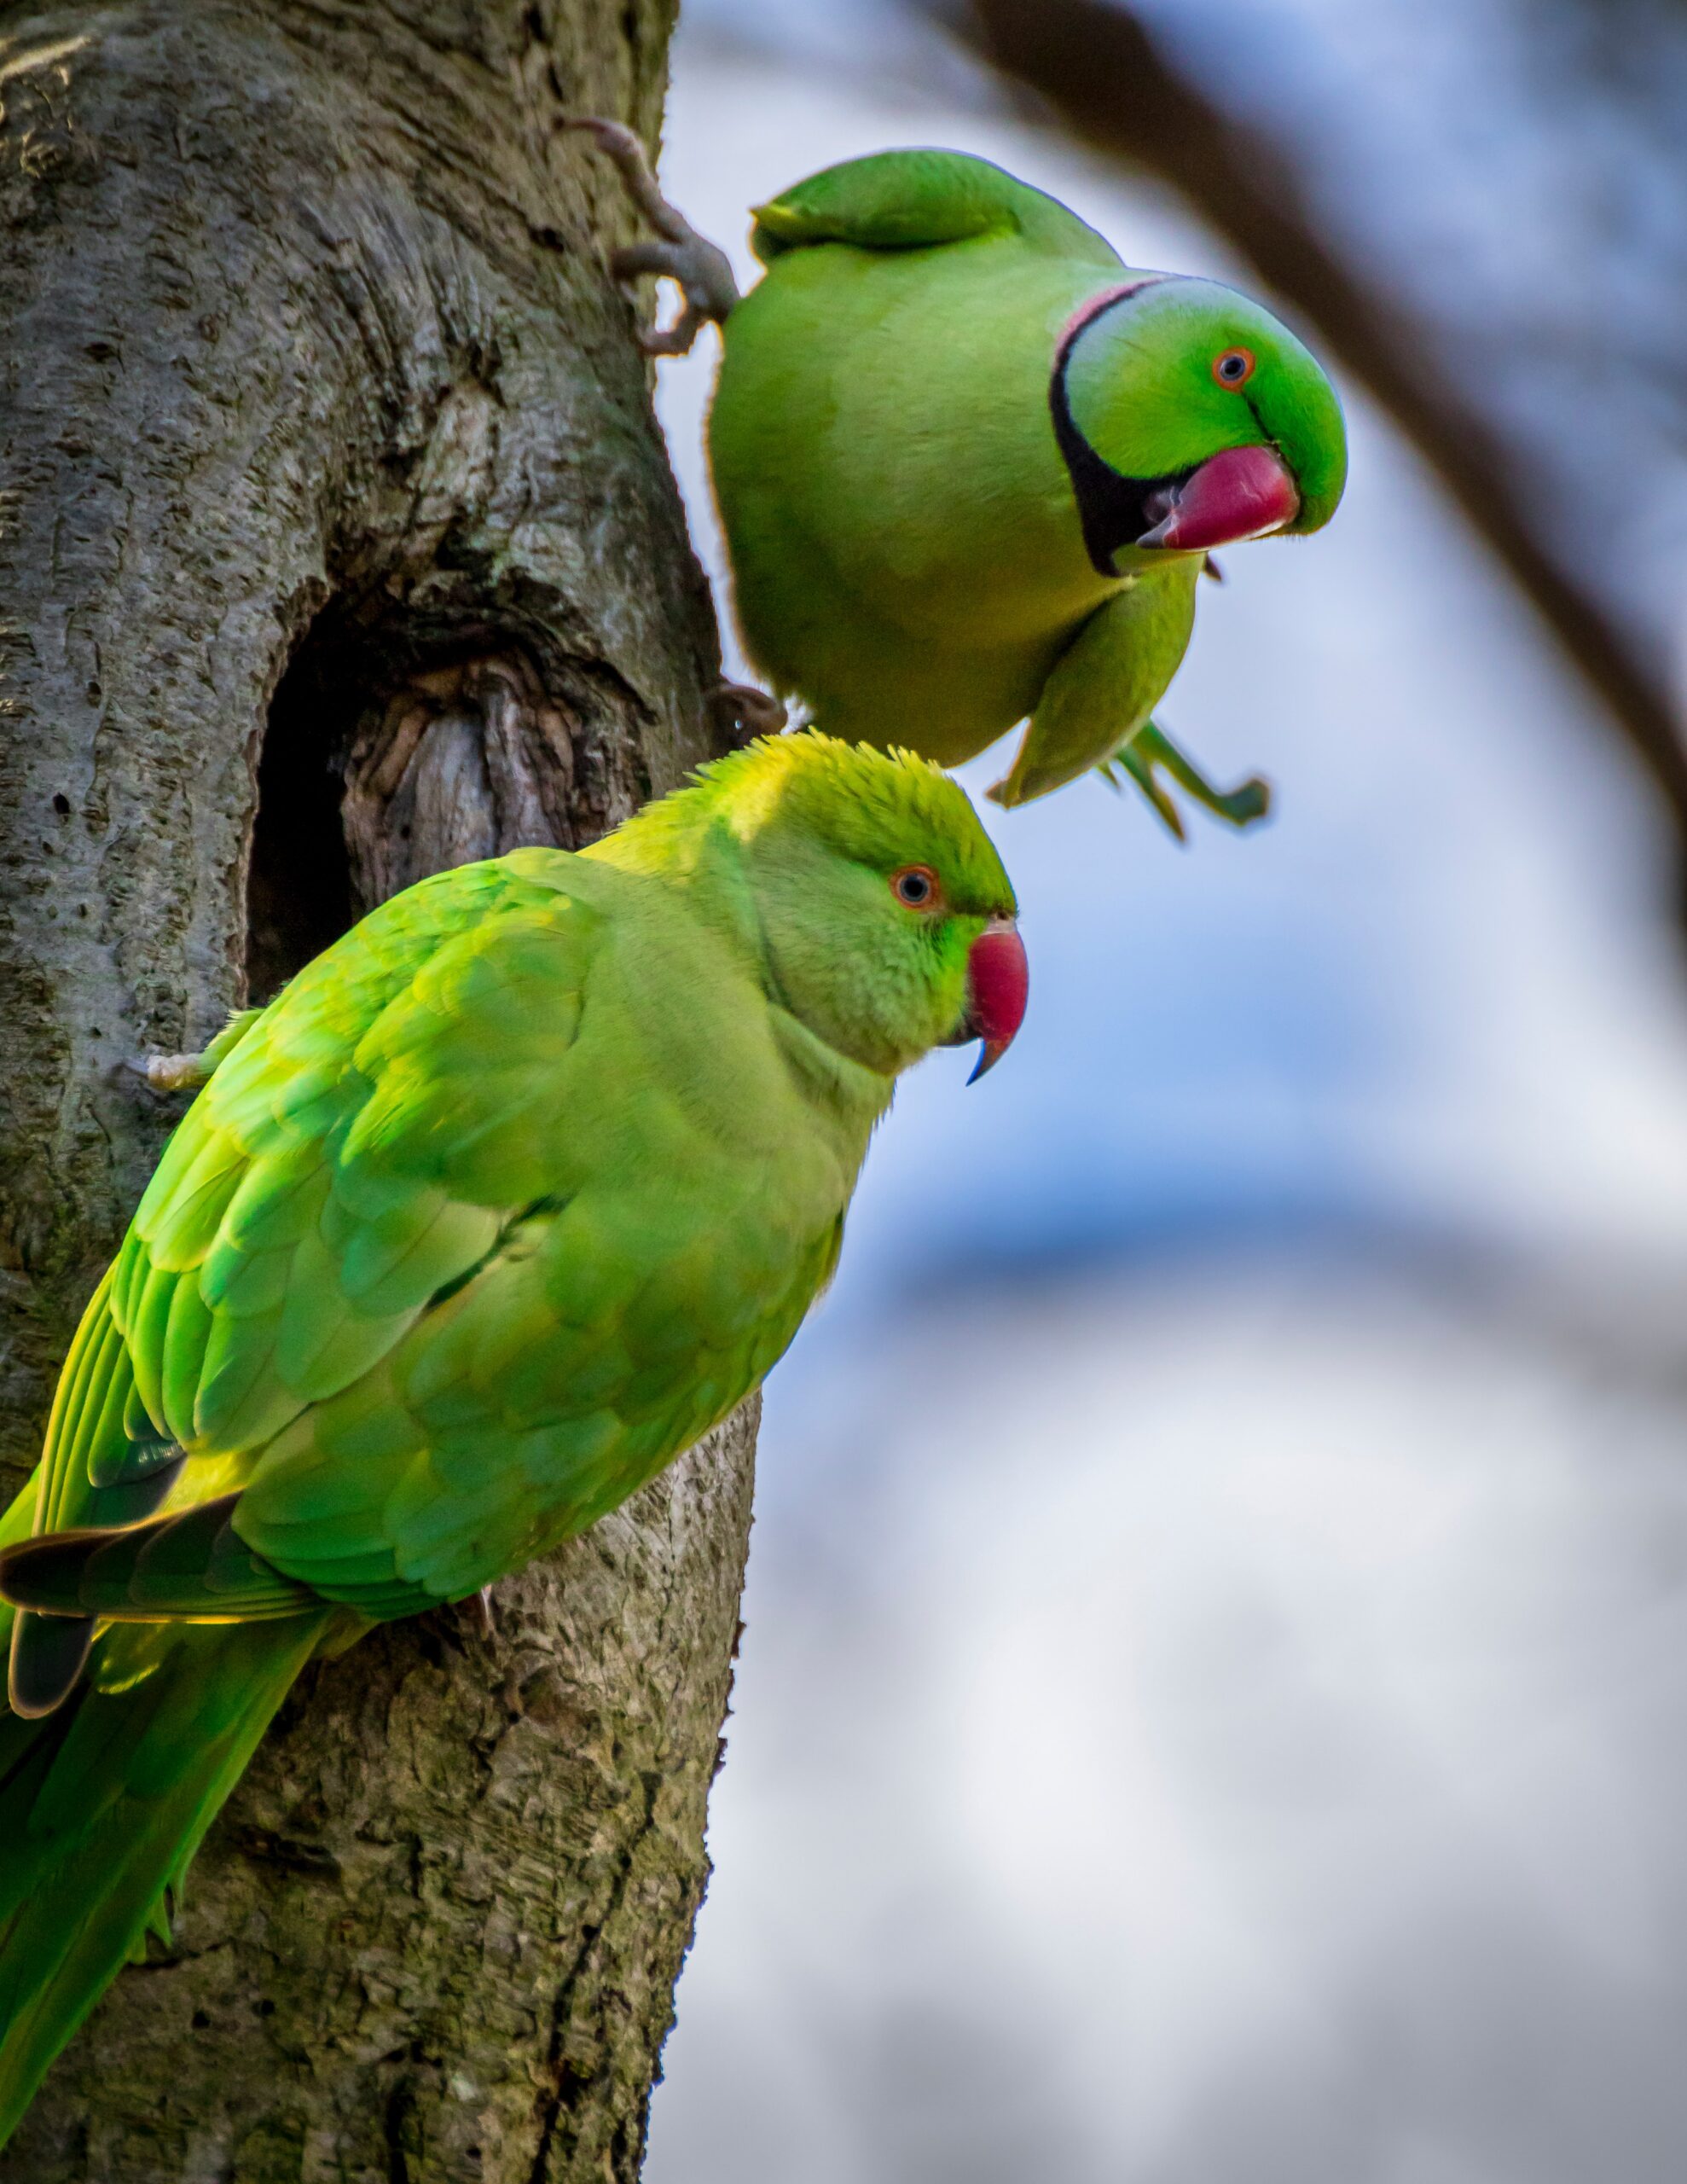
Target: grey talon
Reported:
point(702, 269)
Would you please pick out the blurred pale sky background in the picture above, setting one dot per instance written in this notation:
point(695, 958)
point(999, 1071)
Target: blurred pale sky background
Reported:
point(1213, 1697)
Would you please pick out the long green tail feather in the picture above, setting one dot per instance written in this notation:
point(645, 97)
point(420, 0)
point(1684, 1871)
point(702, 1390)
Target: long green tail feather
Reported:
point(102, 1805)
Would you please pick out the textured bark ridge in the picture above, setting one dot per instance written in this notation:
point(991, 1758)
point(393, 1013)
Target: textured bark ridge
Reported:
point(337, 544)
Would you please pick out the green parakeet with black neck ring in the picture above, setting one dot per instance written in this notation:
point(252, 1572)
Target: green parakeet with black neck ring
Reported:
point(508, 1199)
point(969, 465)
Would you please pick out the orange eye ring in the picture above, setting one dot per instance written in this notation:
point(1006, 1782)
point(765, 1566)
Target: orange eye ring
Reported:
point(1234, 367)
point(915, 887)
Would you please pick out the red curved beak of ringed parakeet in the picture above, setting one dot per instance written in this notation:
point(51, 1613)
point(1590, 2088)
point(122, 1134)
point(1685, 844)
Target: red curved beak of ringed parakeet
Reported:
point(998, 980)
point(1242, 493)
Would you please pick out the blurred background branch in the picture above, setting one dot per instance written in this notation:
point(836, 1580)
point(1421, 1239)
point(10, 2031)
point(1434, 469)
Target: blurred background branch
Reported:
point(1133, 93)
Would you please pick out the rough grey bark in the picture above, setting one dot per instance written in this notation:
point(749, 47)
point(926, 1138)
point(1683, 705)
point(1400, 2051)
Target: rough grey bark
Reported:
point(336, 544)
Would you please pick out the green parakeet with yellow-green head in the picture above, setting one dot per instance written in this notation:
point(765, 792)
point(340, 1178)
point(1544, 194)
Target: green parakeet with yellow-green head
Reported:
point(503, 1203)
point(970, 465)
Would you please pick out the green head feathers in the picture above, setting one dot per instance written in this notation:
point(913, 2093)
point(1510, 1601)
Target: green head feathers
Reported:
point(1154, 377)
point(869, 879)
point(876, 810)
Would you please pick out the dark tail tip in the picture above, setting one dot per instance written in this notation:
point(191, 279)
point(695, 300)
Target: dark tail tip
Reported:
point(49, 1654)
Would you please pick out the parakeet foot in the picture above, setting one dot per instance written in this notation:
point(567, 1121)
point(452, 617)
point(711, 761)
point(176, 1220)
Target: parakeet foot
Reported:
point(703, 271)
point(745, 711)
point(173, 1073)
point(187, 1072)
point(1152, 747)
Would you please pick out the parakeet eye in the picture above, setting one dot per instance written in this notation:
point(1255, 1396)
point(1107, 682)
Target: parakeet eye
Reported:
point(1234, 367)
point(916, 885)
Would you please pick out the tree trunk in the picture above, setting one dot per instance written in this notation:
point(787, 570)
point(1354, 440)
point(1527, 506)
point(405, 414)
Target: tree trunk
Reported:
point(337, 544)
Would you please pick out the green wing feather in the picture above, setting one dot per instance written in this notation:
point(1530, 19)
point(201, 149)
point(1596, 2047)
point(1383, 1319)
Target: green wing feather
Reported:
point(314, 1199)
point(904, 201)
point(1106, 683)
point(94, 1470)
point(610, 1324)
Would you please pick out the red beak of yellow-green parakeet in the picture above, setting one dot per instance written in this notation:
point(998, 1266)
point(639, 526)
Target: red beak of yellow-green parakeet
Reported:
point(970, 465)
point(502, 1204)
